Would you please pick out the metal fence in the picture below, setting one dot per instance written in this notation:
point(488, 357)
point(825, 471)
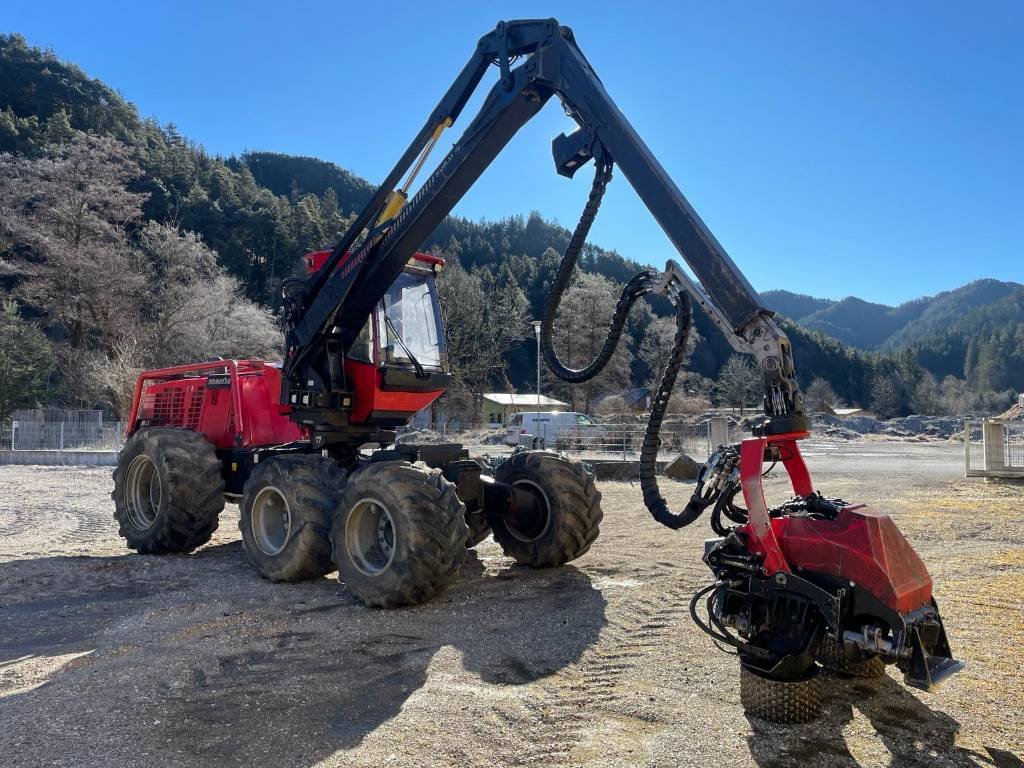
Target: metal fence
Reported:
point(613, 439)
point(624, 440)
point(994, 448)
point(60, 430)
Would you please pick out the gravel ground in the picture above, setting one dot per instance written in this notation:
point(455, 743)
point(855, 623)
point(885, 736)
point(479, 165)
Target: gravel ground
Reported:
point(111, 658)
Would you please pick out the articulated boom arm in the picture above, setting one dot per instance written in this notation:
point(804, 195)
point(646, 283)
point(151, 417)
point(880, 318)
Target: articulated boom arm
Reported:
point(337, 303)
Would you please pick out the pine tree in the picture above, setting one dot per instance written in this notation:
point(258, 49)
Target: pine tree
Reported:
point(26, 362)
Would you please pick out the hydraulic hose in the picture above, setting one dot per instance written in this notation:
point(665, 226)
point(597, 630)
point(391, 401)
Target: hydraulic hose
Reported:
point(639, 285)
point(653, 499)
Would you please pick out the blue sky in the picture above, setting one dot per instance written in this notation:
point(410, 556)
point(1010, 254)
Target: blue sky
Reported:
point(872, 148)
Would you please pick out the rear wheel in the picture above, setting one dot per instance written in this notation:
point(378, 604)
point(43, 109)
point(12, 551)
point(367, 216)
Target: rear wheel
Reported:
point(568, 510)
point(781, 701)
point(168, 490)
point(285, 516)
point(399, 534)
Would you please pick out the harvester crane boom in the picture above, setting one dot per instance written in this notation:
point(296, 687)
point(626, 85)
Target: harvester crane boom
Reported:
point(330, 314)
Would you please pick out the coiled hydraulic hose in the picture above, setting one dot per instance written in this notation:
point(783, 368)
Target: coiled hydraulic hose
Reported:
point(637, 286)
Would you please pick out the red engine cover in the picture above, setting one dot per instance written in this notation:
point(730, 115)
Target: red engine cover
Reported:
point(861, 545)
point(234, 403)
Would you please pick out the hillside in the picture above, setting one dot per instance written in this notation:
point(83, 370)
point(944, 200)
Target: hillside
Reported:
point(260, 211)
point(868, 325)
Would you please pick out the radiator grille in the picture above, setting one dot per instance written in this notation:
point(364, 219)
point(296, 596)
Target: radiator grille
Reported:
point(170, 409)
point(229, 429)
point(195, 408)
point(167, 407)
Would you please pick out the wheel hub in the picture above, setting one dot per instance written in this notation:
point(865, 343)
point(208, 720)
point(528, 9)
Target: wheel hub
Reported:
point(370, 536)
point(531, 519)
point(144, 492)
point(271, 521)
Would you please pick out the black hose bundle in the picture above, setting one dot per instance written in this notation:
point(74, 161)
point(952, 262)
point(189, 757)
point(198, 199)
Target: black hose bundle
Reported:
point(637, 286)
point(726, 505)
point(653, 499)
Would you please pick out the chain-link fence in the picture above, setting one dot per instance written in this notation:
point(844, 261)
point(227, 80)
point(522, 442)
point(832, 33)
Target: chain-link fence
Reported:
point(624, 440)
point(60, 430)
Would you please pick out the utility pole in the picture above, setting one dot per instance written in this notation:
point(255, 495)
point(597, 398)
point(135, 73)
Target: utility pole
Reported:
point(536, 328)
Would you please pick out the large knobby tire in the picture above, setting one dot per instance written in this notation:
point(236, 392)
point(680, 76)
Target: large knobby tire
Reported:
point(398, 534)
point(168, 490)
point(778, 701)
point(285, 516)
point(830, 655)
point(569, 502)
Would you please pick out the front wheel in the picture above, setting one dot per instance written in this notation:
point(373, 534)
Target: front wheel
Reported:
point(568, 509)
point(168, 490)
point(398, 533)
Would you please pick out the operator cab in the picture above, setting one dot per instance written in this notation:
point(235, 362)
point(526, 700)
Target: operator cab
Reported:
point(397, 364)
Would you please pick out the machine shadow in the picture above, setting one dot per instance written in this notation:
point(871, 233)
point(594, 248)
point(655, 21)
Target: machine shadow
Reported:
point(912, 733)
point(304, 666)
point(64, 604)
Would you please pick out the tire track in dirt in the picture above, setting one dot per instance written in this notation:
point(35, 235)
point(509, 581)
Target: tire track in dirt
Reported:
point(12, 522)
point(639, 624)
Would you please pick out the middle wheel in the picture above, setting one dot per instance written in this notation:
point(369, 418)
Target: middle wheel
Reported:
point(285, 515)
point(398, 534)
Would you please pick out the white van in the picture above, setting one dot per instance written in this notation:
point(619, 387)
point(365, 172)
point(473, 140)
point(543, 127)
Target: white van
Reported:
point(546, 429)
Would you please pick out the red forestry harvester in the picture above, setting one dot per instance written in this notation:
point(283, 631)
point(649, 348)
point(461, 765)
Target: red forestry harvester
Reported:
point(813, 582)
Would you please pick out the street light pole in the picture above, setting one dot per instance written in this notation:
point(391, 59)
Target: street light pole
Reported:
point(536, 328)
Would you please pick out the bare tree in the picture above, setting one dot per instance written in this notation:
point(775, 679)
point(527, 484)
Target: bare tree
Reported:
point(580, 329)
point(193, 310)
point(117, 304)
point(612, 405)
point(739, 383)
point(658, 342)
point(65, 219)
point(820, 396)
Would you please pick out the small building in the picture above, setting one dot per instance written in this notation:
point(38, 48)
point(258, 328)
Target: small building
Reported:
point(498, 406)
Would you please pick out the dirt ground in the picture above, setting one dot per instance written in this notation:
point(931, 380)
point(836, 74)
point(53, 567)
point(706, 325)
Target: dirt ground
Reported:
point(112, 658)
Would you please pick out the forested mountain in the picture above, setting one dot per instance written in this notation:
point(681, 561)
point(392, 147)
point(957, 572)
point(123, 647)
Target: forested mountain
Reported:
point(975, 331)
point(257, 213)
point(866, 325)
point(794, 305)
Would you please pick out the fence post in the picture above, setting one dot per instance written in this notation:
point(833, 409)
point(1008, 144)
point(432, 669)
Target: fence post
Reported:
point(967, 445)
point(993, 440)
point(61, 443)
point(718, 433)
point(14, 427)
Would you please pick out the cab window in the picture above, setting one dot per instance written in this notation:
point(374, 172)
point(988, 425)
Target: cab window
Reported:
point(583, 421)
point(362, 347)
